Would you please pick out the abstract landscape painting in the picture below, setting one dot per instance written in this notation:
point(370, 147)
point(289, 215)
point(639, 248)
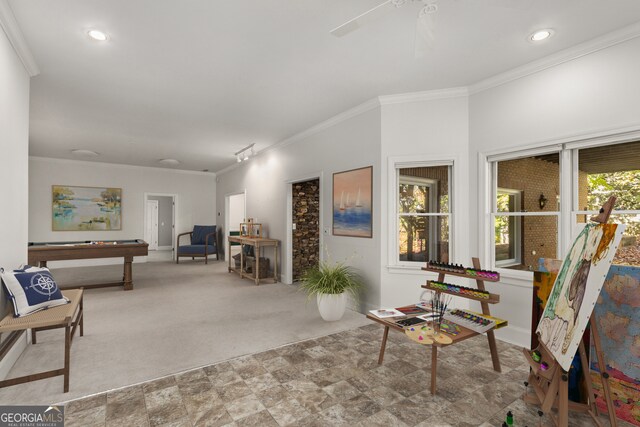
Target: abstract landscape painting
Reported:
point(576, 290)
point(618, 317)
point(352, 202)
point(86, 208)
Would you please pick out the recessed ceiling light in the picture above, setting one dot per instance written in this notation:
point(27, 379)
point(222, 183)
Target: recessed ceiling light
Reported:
point(169, 161)
point(540, 35)
point(98, 35)
point(85, 153)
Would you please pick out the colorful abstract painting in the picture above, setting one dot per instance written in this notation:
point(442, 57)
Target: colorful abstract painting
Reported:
point(618, 317)
point(86, 208)
point(353, 203)
point(576, 290)
point(543, 284)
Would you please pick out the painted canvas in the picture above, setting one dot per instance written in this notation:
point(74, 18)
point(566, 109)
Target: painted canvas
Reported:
point(576, 290)
point(352, 202)
point(618, 317)
point(86, 208)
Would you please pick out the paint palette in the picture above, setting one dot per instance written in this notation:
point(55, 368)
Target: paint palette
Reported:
point(426, 335)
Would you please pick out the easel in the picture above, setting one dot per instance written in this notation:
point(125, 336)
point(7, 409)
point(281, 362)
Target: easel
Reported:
point(551, 386)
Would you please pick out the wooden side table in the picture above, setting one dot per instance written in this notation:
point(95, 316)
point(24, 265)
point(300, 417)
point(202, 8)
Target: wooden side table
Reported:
point(259, 244)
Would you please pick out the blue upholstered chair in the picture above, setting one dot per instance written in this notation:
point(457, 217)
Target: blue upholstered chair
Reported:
point(203, 242)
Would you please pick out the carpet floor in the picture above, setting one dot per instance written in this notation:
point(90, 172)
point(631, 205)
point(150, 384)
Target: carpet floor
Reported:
point(177, 317)
point(333, 380)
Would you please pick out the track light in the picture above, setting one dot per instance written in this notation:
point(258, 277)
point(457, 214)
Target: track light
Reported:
point(245, 153)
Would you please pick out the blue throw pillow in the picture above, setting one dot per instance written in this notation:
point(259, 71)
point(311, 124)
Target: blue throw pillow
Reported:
point(31, 289)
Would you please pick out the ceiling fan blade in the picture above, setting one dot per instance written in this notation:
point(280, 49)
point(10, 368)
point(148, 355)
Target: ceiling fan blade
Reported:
point(425, 38)
point(363, 19)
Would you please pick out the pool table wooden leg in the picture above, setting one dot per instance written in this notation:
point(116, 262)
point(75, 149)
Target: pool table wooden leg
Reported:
point(127, 279)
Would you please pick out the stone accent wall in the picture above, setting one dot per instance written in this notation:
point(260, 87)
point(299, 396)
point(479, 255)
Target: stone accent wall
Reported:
point(306, 216)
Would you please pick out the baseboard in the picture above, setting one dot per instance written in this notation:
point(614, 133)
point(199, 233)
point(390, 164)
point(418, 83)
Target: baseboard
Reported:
point(164, 248)
point(12, 355)
point(515, 335)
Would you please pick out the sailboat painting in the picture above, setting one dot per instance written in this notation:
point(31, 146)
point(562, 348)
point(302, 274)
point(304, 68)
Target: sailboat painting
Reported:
point(352, 202)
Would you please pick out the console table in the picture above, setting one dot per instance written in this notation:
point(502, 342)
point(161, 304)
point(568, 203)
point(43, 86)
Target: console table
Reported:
point(259, 244)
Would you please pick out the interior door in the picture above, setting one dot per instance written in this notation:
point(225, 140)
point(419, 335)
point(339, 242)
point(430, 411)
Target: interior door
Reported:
point(151, 225)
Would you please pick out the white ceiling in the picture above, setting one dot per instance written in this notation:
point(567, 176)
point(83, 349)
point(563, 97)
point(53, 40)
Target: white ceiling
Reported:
point(198, 80)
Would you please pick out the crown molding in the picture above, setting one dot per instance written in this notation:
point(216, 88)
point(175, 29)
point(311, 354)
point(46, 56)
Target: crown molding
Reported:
point(607, 40)
point(117, 166)
point(371, 104)
point(428, 95)
point(16, 38)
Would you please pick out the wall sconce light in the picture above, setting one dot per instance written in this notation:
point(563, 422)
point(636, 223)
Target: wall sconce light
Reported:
point(245, 153)
point(542, 200)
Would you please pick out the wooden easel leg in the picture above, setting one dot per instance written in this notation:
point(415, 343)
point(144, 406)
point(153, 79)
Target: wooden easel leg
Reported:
point(604, 376)
point(563, 400)
point(383, 345)
point(494, 351)
point(584, 361)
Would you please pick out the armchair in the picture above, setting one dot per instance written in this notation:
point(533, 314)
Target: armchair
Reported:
point(202, 243)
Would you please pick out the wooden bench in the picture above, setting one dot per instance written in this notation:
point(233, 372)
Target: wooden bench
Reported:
point(68, 316)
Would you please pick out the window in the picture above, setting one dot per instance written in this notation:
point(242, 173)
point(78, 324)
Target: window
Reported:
point(526, 210)
point(508, 228)
point(605, 171)
point(527, 220)
point(423, 214)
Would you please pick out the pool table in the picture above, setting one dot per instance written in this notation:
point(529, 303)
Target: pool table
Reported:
point(41, 252)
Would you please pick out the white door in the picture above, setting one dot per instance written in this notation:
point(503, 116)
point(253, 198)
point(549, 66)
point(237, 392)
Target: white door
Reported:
point(151, 225)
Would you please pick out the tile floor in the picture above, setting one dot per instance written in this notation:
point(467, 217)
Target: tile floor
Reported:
point(329, 381)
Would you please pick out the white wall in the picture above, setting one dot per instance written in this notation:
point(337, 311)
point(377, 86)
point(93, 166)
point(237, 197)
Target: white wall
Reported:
point(14, 179)
point(596, 93)
point(195, 202)
point(424, 130)
point(349, 144)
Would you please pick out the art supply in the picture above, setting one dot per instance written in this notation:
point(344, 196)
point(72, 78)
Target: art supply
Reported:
point(544, 366)
point(536, 356)
point(409, 322)
point(386, 312)
point(469, 320)
point(509, 420)
point(459, 289)
point(459, 269)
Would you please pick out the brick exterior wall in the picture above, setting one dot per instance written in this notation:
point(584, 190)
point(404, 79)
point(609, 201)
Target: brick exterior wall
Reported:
point(306, 216)
point(532, 177)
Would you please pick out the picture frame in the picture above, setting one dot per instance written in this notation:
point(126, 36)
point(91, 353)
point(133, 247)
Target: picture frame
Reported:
point(353, 203)
point(77, 208)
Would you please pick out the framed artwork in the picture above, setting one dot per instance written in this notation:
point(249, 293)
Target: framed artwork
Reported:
point(353, 202)
point(86, 208)
point(576, 290)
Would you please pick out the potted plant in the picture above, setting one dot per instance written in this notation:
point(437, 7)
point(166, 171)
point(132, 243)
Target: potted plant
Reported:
point(331, 283)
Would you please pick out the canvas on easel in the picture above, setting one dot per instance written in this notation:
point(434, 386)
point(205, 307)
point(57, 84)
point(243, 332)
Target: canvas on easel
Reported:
point(568, 311)
point(576, 290)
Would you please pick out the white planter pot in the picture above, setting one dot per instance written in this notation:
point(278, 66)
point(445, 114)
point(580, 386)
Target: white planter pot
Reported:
point(332, 306)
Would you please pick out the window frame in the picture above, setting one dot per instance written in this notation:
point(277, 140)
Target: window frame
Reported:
point(492, 167)
point(568, 148)
point(395, 164)
point(517, 259)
